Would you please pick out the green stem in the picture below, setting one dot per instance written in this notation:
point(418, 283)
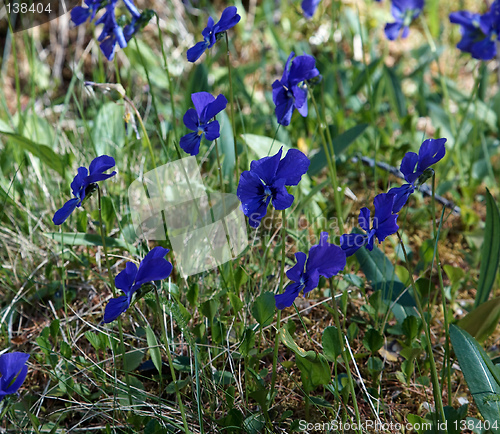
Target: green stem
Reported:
point(330, 156)
point(170, 361)
point(232, 111)
point(280, 291)
point(436, 390)
point(346, 358)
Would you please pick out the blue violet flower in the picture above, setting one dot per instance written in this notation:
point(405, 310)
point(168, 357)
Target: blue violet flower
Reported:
point(153, 267)
point(291, 91)
point(480, 33)
point(84, 183)
point(266, 181)
point(213, 32)
point(324, 259)
point(309, 7)
point(404, 12)
point(200, 120)
point(14, 370)
point(384, 224)
point(413, 167)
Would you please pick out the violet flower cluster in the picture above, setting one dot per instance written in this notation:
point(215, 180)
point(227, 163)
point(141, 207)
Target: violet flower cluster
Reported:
point(266, 183)
point(84, 183)
point(153, 267)
point(480, 32)
point(415, 169)
point(112, 33)
point(201, 121)
point(213, 32)
point(290, 92)
point(324, 259)
point(404, 12)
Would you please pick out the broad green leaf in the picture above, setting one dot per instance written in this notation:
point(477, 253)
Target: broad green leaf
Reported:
point(263, 309)
point(394, 86)
point(108, 132)
point(340, 144)
point(81, 239)
point(490, 253)
point(43, 152)
point(132, 360)
point(332, 346)
point(373, 340)
point(482, 321)
point(314, 370)
point(481, 375)
point(209, 308)
point(380, 272)
point(154, 350)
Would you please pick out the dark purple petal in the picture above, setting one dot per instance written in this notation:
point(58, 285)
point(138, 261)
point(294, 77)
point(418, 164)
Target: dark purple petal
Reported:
point(195, 52)
point(191, 119)
point(292, 167)
point(312, 279)
point(80, 14)
point(325, 257)
point(484, 50)
point(392, 30)
point(431, 151)
point(284, 102)
point(384, 221)
point(303, 68)
point(200, 101)
point(78, 185)
point(288, 297)
point(125, 279)
point(115, 307)
point(108, 47)
point(281, 198)
point(266, 167)
point(228, 19)
point(62, 214)
point(300, 96)
point(364, 219)
point(157, 252)
point(309, 7)
point(214, 108)
point(465, 18)
point(190, 143)
point(297, 271)
point(408, 165)
point(151, 269)
point(253, 200)
point(131, 7)
point(14, 370)
point(350, 243)
point(402, 194)
point(101, 164)
point(212, 131)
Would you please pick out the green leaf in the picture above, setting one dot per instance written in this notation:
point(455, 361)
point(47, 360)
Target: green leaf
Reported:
point(263, 309)
point(394, 86)
point(226, 144)
point(380, 272)
point(154, 350)
point(209, 308)
point(132, 360)
point(236, 302)
point(81, 239)
point(314, 370)
point(480, 374)
point(373, 340)
point(43, 152)
point(340, 144)
point(482, 321)
point(490, 253)
point(108, 132)
point(332, 346)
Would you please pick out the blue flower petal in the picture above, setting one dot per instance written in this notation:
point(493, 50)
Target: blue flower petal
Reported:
point(266, 167)
point(309, 7)
point(392, 30)
point(402, 194)
point(288, 297)
point(191, 119)
point(213, 108)
point(325, 257)
point(152, 268)
point(190, 143)
point(292, 167)
point(115, 307)
point(350, 243)
point(195, 52)
point(200, 102)
point(62, 214)
point(296, 272)
point(228, 19)
point(364, 219)
point(212, 131)
point(125, 279)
